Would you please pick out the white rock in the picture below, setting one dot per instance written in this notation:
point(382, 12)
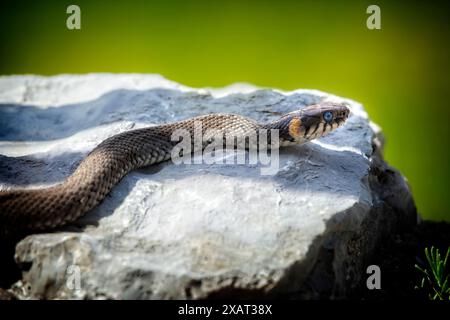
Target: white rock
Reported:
point(195, 231)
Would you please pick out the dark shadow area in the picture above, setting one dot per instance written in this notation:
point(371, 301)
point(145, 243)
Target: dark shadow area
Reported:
point(10, 271)
point(398, 254)
point(153, 169)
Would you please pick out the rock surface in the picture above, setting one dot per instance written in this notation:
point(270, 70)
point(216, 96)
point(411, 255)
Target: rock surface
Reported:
point(196, 231)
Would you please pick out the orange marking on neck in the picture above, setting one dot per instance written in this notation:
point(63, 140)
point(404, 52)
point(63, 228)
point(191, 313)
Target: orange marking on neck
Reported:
point(294, 127)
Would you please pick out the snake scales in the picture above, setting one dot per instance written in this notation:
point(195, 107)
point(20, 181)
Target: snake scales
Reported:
point(111, 160)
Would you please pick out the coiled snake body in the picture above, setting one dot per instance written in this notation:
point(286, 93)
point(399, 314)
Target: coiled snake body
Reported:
point(111, 160)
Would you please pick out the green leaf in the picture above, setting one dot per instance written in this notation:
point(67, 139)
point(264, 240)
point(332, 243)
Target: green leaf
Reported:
point(446, 256)
point(436, 279)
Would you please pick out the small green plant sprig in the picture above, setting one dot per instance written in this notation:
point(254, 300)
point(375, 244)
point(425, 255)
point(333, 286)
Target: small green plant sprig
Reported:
point(435, 279)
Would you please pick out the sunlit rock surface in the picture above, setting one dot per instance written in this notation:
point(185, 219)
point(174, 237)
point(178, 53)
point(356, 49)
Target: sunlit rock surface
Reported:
point(204, 230)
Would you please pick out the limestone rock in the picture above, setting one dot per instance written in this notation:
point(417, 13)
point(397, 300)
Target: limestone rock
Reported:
point(205, 230)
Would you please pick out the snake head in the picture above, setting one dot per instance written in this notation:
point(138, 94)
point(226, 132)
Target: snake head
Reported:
point(317, 120)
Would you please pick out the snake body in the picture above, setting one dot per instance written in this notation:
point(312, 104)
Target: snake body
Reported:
point(103, 168)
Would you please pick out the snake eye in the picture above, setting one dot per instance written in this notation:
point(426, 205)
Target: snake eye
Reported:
point(328, 116)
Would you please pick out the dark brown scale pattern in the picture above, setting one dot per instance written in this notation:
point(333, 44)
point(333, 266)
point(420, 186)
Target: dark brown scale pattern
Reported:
point(105, 166)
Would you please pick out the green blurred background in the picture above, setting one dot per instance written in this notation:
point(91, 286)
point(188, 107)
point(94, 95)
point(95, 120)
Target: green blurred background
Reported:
point(400, 73)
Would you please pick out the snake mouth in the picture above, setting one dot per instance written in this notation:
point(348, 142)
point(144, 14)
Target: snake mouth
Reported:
point(341, 120)
point(341, 114)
